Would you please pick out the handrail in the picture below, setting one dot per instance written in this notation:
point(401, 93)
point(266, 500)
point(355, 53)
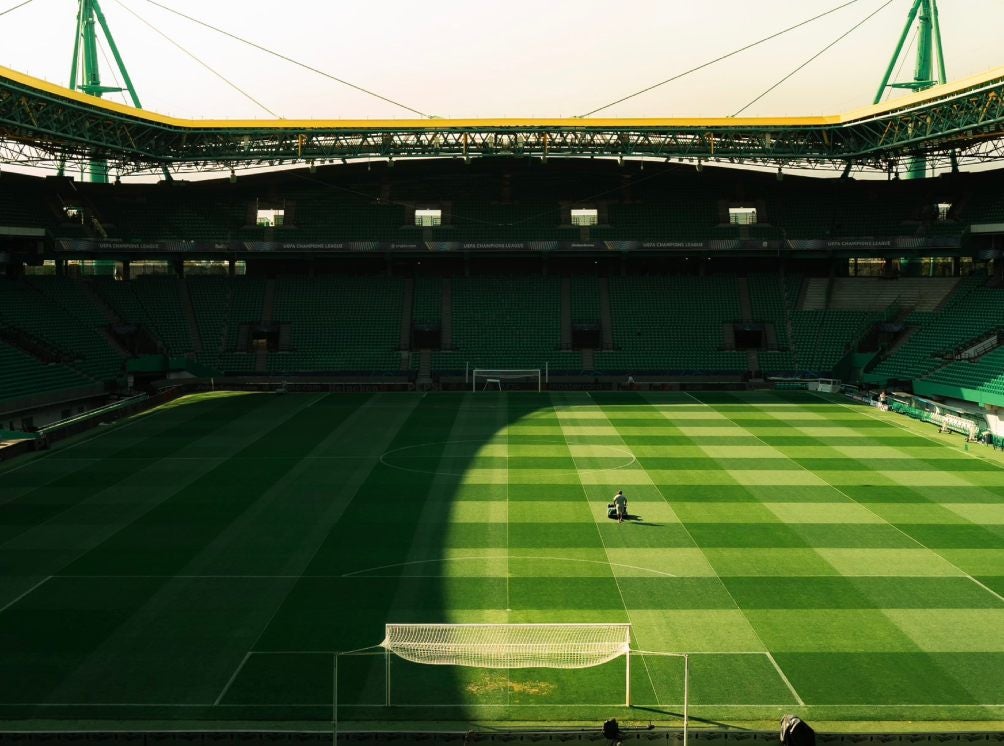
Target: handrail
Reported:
point(91, 414)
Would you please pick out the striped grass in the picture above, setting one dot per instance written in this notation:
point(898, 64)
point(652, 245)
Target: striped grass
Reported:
point(204, 564)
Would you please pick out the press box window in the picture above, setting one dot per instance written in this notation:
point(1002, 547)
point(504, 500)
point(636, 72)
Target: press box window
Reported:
point(428, 218)
point(585, 216)
point(270, 218)
point(742, 215)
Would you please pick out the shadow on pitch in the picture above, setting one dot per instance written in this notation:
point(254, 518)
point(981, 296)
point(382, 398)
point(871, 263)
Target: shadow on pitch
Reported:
point(638, 520)
point(692, 719)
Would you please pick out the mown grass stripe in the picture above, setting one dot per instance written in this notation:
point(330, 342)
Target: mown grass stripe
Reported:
point(819, 566)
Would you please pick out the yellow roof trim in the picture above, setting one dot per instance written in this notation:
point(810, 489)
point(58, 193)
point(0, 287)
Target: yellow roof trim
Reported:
point(914, 99)
point(302, 125)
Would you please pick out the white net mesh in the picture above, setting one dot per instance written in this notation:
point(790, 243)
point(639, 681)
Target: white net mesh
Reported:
point(491, 377)
point(507, 375)
point(509, 645)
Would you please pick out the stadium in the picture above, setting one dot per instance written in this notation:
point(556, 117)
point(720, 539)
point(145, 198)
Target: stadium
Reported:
point(310, 429)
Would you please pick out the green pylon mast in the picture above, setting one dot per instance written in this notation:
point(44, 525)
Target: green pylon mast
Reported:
point(925, 14)
point(85, 72)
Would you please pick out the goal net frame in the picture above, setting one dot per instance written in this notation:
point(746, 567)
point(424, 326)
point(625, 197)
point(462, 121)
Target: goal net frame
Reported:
point(506, 646)
point(499, 376)
point(821, 385)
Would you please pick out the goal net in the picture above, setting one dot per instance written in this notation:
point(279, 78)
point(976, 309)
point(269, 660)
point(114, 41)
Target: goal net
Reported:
point(825, 385)
point(509, 645)
point(502, 665)
point(502, 379)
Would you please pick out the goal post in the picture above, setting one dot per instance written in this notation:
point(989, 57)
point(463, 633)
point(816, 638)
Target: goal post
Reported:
point(497, 379)
point(505, 646)
point(509, 645)
point(512, 646)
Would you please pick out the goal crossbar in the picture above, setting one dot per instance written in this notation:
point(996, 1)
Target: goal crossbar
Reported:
point(498, 376)
point(509, 645)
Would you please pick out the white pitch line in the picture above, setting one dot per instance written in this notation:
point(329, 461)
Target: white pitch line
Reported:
point(885, 521)
point(359, 573)
point(37, 585)
point(232, 679)
point(599, 533)
point(508, 563)
point(720, 580)
point(367, 651)
point(988, 589)
point(784, 678)
point(363, 573)
point(112, 427)
point(111, 704)
point(731, 705)
point(212, 458)
point(867, 413)
point(508, 579)
point(294, 652)
point(210, 576)
point(108, 728)
point(437, 472)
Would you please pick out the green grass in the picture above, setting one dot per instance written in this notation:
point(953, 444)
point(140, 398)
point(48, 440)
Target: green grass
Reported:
point(202, 564)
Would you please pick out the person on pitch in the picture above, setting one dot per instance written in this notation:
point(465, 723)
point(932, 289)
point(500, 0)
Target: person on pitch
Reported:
point(620, 503)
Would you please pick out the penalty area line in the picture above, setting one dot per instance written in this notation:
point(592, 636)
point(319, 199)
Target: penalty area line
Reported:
point(232, 679)
point(35, 587)
point(784, 678)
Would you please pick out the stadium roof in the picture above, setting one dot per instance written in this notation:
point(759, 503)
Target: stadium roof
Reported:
point(42, 124)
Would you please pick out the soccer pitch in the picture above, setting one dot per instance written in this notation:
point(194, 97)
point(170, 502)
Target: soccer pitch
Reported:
point(202, 564)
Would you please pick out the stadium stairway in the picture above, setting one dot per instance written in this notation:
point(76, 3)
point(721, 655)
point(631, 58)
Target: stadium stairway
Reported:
point(506, 322)
point(107, 311)
point(152, 302)
point(424, 369)
point(54, 340)
point(873, 293)
point(966, 313)
point(770, 305)
point(72, 322)
point(193, 327)
point(672, 324)
point(261, 356)
point(446, 315)
point(211, 301)
point(566, 313)
point(728, 336)
point(407, 308)
point(985, 373)
point(606, 319)
point(584, 299)
point(110, 316)
point(680, 325)
point(339, 324)
point(822, 338)
point(814, 294)
point(427, 301)
point(22, 375)
point(742, 285)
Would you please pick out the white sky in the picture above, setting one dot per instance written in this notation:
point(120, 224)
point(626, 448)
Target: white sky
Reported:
point(490, 58)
